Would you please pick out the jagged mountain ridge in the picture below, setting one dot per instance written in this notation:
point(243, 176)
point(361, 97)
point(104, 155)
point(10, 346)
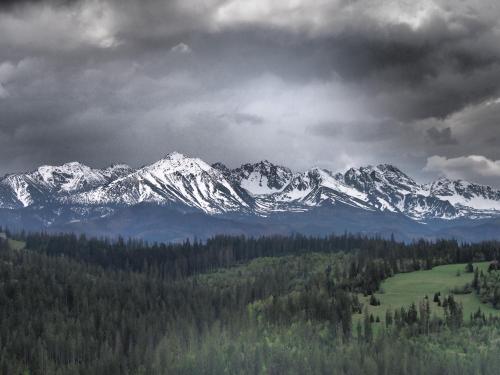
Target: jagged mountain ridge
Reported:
point(253, 189)
point(51, 183)
point(175, 178)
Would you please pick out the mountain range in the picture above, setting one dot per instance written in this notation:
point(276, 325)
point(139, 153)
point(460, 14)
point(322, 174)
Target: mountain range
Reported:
point(180, 197)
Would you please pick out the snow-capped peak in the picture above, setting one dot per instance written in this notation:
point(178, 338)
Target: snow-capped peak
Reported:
point(172, 179)
point(177, 162)
point(262, 177)
point(70, 177)
point(465, 194)
point(175, 156)
point(47, 171)
point(48, 182)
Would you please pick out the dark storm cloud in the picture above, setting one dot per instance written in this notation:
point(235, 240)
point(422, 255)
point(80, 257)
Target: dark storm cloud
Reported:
point(360, 131)
point(441, 136)
point(109, 80)
point(11, 4)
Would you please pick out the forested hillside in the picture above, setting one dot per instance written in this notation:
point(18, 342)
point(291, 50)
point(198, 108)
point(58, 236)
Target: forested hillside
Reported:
point(234, 305)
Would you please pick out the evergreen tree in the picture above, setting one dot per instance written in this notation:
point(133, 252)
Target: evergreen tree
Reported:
point(367, 326)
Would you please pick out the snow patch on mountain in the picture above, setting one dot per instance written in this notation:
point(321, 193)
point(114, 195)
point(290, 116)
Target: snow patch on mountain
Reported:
point(261, 178)
point(70, 177)
point(20, 188)
point(466, 194)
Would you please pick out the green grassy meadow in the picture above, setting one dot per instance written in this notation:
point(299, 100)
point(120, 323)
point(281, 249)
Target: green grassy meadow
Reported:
point(403, 289)
point(16, 245)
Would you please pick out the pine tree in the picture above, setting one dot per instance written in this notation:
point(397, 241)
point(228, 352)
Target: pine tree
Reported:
point(388, 318)
point(368, 331)
point(475, 281)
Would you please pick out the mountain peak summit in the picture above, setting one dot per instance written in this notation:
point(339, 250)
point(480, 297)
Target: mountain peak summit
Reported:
point(174, 155)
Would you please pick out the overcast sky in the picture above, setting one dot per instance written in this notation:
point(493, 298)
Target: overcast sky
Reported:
point(305, 83)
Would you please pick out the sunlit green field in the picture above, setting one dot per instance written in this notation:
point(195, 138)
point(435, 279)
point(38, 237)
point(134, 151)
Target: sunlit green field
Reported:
point(16, 245)
point(405, 288)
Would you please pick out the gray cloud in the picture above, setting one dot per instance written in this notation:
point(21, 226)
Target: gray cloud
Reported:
point(441, 136)
point(472, 168)
point(244, 118)
point(335, 84)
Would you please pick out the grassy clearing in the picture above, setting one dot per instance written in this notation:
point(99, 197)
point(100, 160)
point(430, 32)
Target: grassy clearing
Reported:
point(403, 289)
point(16, 245)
